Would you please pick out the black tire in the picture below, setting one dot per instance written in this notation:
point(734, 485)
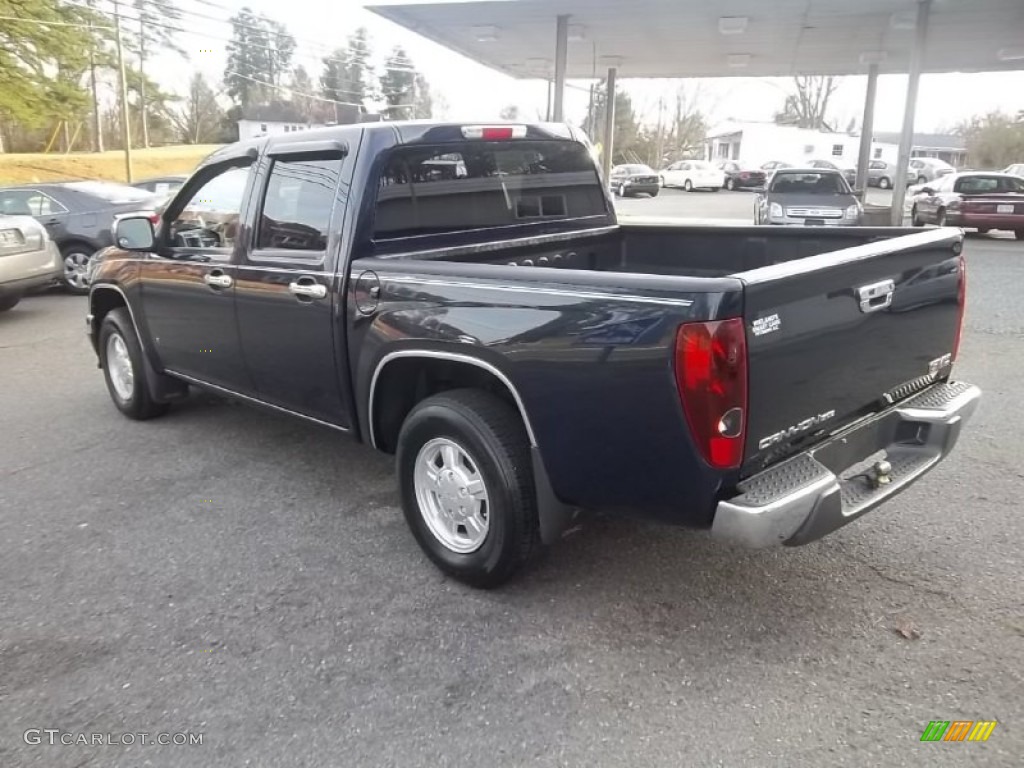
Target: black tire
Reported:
point(730, 184)
point(884, 183)
point(654, 193)
point(622, 190)
point(983, 230)
point(491, 434)
point(940, 217)
point(922, 180)
point(1019, 234)
point(75, 258)
point(138, 405)
point(9, 302)
point(688, 185)
point(915, 219)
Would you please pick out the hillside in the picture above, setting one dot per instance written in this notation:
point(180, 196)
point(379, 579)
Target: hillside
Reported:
point(39, 167)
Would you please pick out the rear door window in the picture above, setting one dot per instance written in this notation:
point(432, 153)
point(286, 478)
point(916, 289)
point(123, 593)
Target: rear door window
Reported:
point(297, 207)
point(469, 186)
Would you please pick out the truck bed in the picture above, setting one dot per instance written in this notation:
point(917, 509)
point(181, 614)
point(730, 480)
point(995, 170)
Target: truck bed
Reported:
point(663, 247)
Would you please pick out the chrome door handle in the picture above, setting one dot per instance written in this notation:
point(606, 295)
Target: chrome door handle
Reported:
point(308, 290)
point(218, 281)
point(876, 296)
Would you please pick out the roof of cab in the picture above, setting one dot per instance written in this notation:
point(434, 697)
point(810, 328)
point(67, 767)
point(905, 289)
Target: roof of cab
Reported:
point(406, 132)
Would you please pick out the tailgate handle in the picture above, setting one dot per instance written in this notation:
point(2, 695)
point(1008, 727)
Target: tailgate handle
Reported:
point(876, 296)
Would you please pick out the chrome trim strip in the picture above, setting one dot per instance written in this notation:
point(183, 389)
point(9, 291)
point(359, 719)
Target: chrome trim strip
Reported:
point(556, 292)
point(437, 355)
point(257, 401)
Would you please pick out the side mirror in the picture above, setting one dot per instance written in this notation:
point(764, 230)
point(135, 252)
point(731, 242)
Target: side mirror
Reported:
point(135, 233)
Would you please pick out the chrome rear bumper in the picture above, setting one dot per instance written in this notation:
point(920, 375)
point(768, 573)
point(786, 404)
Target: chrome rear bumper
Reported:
point(814, 493)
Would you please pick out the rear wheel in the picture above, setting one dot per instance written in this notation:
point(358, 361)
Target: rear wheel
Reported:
point(124, 368)
point(915, 218)
point(1019, 234)
point(688, 185)
point(466, 481)
point(76, 258)
point(730, 184)
point(621, 191)
point(940, 217)
point(983, 230)
point(922, 180)
point(884, 183)
point(8, 302)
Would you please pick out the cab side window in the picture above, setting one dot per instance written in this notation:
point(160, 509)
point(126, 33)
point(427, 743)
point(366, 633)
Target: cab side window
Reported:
point(297, 206)
point(210, 220)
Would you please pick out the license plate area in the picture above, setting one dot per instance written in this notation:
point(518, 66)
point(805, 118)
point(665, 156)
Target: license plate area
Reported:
point(1004, 209)
point(814, 222)
point(11, 237)
point(850, 448)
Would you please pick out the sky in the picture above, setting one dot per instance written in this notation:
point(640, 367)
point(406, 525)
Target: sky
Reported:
point(470, 91)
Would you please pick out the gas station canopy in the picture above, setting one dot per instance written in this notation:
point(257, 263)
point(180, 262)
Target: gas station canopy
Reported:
point(705, 38)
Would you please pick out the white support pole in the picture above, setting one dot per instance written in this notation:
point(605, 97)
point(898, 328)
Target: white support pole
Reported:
point(609, 124)
point(867, 130)
point(899, 185)
point(561, 54)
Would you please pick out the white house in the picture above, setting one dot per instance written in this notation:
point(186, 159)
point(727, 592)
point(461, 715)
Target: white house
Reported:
point(754, 144)
point(272, 120)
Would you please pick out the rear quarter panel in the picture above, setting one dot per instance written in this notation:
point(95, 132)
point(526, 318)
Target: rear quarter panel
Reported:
point(589, 354)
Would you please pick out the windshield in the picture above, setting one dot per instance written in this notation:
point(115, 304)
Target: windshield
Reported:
point(979, 185)
point(475, 185)
point(112, 193)
point(809, 183)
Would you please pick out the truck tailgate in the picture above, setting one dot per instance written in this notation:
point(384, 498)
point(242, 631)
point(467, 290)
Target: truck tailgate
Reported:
point(835, 337)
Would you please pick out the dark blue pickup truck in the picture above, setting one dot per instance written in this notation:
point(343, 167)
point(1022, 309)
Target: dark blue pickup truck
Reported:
point(462, 296)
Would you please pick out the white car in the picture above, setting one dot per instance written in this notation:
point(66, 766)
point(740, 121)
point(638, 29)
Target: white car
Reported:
point(28, 258)
point(693, 174)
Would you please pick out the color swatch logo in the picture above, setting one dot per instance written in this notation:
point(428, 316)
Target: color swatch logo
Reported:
point(958, 730)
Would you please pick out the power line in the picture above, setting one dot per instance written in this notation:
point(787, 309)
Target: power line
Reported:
point(24, 20)
point(309, 95)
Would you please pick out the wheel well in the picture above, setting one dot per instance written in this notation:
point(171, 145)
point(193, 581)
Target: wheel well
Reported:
point(101, 303)
point(64, 245)
point(406, 381)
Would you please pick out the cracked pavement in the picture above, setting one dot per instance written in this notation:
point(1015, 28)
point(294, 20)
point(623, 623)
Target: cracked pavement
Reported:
point(236, 573)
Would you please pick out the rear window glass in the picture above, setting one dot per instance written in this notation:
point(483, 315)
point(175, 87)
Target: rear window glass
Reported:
point(810, 183)
point(456, 188)
point(973, 185)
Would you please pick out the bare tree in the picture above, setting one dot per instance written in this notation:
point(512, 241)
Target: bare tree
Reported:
point(689, 122)
point(808, 106)
point(200, 119)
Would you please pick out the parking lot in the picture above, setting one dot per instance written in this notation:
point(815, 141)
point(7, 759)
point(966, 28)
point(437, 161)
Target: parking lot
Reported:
point(234, 573)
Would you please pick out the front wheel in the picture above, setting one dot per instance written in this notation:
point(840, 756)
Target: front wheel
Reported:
point(621, 191)
point(76, 268)
point(688, 185)
point(1019, 234)
point(730, 184)
point(940, 217)
point(915, 218)
point(124, 368)
point(884, 183)
point(467, 489)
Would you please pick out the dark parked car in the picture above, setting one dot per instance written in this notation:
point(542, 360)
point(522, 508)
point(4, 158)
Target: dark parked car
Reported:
point(162, 186)
point(525, 355)
point(849, 173)
point(808, 196)
point(630, 180)
point(981, 201)
point(740, 177)
point(78, 216)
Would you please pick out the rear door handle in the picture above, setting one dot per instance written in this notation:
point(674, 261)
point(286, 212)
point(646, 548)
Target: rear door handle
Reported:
point(307, 288)
point(218, 280)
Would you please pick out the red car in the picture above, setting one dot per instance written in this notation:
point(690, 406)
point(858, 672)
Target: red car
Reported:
point(980, 201)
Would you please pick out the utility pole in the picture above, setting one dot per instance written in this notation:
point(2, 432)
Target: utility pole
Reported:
point(97, 131)
point(142, 83)
point(126, 131)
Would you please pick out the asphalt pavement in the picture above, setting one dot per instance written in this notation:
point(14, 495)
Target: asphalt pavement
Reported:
point(234, 574)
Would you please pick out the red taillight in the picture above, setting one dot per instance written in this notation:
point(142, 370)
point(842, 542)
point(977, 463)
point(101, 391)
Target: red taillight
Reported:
point(961, 297)
point(494, 132)
point(711, 373)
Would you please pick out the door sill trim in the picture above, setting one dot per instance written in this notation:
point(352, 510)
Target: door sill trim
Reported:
point(254, 400)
